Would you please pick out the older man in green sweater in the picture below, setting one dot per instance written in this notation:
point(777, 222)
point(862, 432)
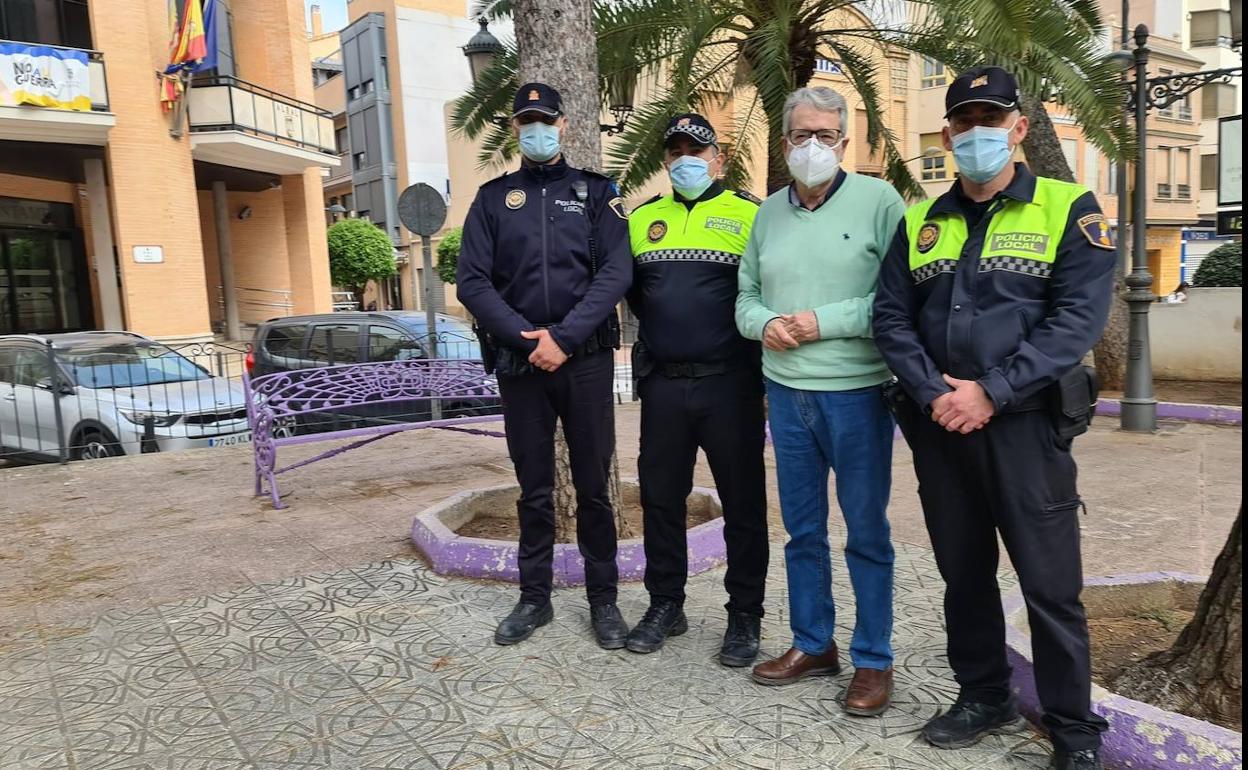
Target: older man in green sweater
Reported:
point(807, 284)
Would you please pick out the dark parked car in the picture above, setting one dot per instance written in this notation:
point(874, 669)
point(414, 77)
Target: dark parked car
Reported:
point(343, 338)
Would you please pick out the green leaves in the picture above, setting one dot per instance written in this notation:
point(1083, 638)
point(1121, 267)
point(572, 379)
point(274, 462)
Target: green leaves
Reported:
point(753, 53)
point(1224, 266)
point(359, 252)
point(448, 254)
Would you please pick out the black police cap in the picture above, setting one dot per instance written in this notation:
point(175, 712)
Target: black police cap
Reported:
point(537, 97)
point(982, 85)
point(692, 125)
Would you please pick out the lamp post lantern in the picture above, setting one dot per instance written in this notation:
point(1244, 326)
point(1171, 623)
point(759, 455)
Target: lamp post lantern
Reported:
point(482, 50)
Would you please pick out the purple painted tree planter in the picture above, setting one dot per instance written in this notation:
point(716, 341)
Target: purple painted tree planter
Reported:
point(1140, 737)
point(1213, 413)
point(450, 554)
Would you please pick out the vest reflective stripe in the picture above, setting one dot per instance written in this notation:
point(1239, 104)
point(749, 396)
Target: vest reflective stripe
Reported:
point(689, 255)
point(1021, 237)
point(715, 230)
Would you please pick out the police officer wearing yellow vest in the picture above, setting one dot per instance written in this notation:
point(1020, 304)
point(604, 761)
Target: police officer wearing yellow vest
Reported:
point(700, 384)
point(988, 300)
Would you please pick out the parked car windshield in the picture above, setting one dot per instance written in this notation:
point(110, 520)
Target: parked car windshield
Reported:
point(455, 338)
point(129, 365)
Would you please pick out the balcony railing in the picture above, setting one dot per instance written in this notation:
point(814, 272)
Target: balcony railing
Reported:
point(230, 104)
point(97, 76)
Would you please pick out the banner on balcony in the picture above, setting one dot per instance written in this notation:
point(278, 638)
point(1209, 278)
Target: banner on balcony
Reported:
point(45, 77)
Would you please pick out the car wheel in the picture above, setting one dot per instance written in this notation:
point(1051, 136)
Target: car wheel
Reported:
point(96, 445)
point(285, 427)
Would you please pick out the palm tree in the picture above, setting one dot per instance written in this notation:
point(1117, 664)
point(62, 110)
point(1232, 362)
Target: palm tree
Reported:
point(698, 55)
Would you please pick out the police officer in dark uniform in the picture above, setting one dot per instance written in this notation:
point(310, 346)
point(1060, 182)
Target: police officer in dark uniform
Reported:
point(543, 263)
point(988, 300)
point(701, 385)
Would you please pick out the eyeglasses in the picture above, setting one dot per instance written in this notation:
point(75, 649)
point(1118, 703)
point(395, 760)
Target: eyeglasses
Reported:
point(829, 137)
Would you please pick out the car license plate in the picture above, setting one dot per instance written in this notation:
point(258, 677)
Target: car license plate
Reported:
point(234, 439)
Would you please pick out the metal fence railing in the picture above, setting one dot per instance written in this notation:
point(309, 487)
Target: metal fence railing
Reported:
point(60, 404)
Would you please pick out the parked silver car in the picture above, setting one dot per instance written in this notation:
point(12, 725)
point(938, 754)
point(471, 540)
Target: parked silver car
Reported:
point(118, 394)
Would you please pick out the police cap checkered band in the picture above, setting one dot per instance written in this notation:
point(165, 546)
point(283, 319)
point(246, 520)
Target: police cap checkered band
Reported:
point(693, 126)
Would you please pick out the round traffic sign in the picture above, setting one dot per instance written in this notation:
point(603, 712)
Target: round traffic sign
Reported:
point(422, 209)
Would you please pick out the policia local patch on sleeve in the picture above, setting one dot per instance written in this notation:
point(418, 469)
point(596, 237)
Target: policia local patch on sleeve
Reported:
point(1096, 230)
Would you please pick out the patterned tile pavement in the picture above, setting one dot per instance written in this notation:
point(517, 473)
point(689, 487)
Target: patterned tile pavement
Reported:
point(390, 666)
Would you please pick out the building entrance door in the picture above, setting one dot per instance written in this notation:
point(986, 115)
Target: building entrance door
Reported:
point(41, 282)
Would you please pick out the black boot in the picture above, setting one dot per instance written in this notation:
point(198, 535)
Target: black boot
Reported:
point(609, 627)
point(1088, 759)
point(740, 646)
point(522, 622)
point(966, 723)
point(660, 621)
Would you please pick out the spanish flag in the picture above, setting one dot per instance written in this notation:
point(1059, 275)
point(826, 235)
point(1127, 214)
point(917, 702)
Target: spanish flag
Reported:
point(189, 43)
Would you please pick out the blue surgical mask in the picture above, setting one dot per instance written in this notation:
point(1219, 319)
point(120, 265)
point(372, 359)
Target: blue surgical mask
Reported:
point(539, 142)
point(690, 176)
point(982, 152)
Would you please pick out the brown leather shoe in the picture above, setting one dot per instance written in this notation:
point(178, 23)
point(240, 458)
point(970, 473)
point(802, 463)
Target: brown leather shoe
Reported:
point(870, 692)
point(795, 665)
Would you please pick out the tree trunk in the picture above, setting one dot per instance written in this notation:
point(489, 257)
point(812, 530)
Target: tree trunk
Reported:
point(556, 45)
point(1202, 675)
point(1045, 157)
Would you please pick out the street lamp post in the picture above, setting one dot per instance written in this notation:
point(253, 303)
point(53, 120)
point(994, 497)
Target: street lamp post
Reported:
point(1139, 405)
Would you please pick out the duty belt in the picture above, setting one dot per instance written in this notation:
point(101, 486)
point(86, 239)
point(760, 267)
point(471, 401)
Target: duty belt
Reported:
point(693, 370)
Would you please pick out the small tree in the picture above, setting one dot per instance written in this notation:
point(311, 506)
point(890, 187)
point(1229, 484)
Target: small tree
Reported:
point(448, 254)
point(1224, 266)
point(359, 252)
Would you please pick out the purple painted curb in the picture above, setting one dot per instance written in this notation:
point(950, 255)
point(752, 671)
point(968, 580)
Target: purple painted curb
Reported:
point(451, 554)
point(1140, 737)
point(1213, 413)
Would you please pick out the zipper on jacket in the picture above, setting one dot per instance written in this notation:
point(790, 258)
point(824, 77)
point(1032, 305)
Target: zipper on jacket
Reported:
point(545, 259)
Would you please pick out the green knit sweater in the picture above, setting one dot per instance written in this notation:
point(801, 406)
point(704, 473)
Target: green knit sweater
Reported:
point(826, 260)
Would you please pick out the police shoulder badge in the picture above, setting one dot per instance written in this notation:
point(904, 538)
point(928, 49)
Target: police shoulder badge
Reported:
point(515, 199)
point(1096, 230)
point(616, 204)
point(657, 230)
point(928, 235)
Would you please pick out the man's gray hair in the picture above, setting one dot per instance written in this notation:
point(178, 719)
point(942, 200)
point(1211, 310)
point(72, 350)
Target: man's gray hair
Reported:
point(821, 98)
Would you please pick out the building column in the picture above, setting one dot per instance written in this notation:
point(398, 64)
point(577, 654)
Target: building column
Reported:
point(102, 244)
point(306, 247)
point(225, 255)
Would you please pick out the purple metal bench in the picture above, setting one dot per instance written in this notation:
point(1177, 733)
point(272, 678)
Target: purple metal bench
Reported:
point(277, 402)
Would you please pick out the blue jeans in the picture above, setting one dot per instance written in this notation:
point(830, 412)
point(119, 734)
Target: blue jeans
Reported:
point(850, 433)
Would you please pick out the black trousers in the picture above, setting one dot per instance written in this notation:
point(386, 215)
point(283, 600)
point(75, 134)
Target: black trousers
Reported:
point(722, 414)
point(1016, 477)
point(579, 395)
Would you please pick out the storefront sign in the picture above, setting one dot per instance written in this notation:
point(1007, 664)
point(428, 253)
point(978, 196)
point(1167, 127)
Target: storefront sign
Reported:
point(1230, 161)
point(44, 77)
point(149, 255)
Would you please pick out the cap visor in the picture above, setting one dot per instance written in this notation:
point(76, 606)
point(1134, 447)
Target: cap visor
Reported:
point(985, 100)
point(543, 110)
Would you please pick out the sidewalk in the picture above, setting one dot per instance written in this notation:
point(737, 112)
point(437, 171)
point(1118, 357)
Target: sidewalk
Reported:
point(153, 614)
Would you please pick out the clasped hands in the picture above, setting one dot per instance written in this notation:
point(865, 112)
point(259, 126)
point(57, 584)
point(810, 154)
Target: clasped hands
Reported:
point(786, 332)
point(965, 409)
point(547, 356)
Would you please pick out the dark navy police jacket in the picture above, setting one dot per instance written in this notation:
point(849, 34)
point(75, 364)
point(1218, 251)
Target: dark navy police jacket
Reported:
point(525, 261)
point(1013, 326)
